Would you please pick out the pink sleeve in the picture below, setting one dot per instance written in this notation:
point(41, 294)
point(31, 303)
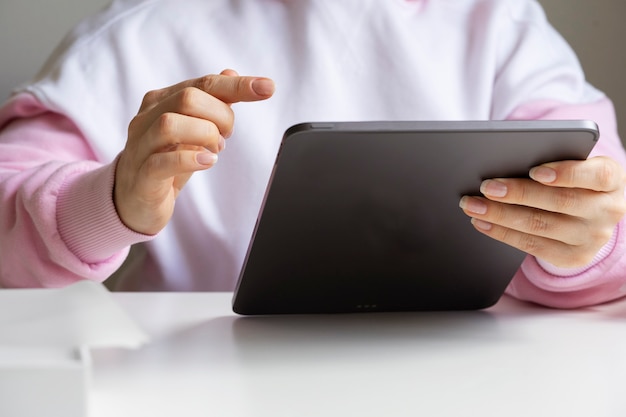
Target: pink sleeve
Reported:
point(58, 223)
point(605, 278)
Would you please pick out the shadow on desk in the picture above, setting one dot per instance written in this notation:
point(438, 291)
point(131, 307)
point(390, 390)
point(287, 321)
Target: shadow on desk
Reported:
point(193, 339)
point(358, 336)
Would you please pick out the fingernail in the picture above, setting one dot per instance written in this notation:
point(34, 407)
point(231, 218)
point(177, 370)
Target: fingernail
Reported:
point(206, 158)
point(493, 188)
point(473, 205)
point(543, 174)
point(483, 225)
point(222, 143)
point(263, 86)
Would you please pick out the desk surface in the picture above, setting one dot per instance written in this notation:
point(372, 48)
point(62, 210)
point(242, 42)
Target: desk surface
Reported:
point(511, 360)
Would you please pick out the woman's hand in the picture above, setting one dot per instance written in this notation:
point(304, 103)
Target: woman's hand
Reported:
point(178, 130)
point(563, 215)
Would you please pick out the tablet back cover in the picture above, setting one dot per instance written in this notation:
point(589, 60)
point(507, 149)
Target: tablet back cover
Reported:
point(365, 216)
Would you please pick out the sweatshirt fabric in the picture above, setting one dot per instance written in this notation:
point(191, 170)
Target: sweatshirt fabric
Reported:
point(346, 60)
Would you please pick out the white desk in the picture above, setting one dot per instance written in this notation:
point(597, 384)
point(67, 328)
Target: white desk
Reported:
point(511, 360)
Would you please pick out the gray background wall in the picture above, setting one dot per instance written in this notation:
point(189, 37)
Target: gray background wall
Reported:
point(597, 31)
point(29, 30)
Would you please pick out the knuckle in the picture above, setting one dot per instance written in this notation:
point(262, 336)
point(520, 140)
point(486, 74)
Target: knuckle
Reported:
point(135, 125)
point(583, 252)
point(598, 236)
point(163, 164)
point(151, 97)
point(242, 85)
point(603, 235)
point(523, 193)
point(538, 223)
point(497, 213)
point(180, 160)
point(610, 206)
point(618, 210)
point(565, 200)
point(152, 165)
point(167, 125)
point(208, 82)
point(528, 243)
point(188, 99)
point(605, 176)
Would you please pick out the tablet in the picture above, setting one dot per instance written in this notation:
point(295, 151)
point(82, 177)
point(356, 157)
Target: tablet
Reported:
point(365, 217)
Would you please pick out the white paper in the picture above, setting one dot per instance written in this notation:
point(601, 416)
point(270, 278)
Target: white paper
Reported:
point(80, 315)
point(45, 337)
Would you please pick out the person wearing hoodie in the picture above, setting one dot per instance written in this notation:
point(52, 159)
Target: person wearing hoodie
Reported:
point(156, 123)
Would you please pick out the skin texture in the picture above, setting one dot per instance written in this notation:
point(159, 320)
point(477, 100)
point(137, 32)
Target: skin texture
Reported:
point(178, 130)
point(564, 214)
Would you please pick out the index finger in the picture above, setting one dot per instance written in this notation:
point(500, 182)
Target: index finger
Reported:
point(233, 89)
point(228, 88)
point(599, 173)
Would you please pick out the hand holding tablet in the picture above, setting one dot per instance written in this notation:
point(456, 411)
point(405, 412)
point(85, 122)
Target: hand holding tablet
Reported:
point(364, 216)
point(564, 214)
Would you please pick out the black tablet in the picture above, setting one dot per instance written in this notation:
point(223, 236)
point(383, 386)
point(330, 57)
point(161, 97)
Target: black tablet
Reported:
point(365, 217)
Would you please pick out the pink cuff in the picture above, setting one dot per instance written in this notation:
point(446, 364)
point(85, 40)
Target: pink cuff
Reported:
point(87, 219)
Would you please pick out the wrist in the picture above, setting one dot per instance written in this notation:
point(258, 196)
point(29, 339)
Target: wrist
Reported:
point(87, 220)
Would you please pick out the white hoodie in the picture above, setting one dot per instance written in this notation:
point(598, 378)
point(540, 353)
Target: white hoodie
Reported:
point(331, 60)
